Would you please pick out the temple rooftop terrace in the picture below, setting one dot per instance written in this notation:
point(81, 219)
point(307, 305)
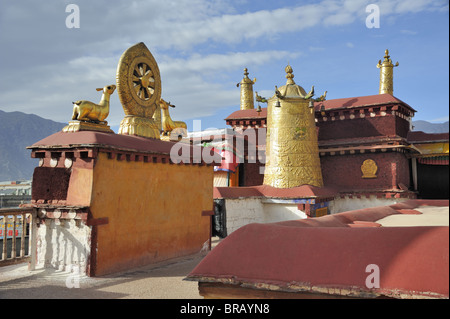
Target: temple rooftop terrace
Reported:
point(428, 219)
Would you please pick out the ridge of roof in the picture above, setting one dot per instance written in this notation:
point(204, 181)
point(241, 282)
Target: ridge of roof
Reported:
point(341, 103)
point(419, 136)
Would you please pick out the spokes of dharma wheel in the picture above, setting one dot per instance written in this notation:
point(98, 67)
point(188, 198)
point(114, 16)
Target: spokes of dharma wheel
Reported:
point(143, 81)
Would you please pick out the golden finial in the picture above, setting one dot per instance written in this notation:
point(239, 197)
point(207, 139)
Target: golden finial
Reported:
point(289, 75)
point(386, 74)
point(246, 91)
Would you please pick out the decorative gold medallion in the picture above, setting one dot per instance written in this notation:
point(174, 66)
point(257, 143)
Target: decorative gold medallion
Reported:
point(300, 133)
point(139, 90)
point(369, 169)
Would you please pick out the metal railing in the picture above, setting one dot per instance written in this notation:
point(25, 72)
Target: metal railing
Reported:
point(15, 234)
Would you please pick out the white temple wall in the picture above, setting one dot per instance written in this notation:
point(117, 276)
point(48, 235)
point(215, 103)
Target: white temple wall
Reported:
point(62, 245)
point(245, 211)
point(345, 204)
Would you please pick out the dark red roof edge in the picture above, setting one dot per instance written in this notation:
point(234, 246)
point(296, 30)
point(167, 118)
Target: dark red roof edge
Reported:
point(333, 104)
point(419, 136)
point(114, 141)
point(367, 100)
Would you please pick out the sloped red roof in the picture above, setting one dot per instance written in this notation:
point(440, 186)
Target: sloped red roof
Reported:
point(95, 139)
point(112, 141)
point(330, 255)
point(247, 114)
point(349, 102)
point(422, 137)
point(358, 101)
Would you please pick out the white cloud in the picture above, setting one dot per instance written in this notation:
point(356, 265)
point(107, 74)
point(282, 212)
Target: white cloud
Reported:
point(215, 62)
point(441, 119)
point(339, 18)
point(184, 82)
point(389, 7)
point(61, 65)
point(416, 6)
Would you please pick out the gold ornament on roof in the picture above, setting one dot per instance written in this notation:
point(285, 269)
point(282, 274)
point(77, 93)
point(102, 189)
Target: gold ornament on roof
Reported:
point(321, 98)
point(89, 116)
point(291, 89)
point(247, 91)
point(174, 129)
point(292, 150)
point(386, 74)
point(139, 89)
point(260, 98)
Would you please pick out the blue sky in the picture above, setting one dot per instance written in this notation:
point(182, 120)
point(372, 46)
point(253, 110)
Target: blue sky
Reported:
point(202, 47)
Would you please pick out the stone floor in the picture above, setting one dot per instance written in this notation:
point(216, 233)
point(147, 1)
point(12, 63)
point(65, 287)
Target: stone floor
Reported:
point(159, 281)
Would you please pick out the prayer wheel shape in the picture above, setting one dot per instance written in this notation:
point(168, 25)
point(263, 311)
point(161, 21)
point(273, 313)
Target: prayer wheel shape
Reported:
point(247, 102)
point(386, 74)
point(292, 150)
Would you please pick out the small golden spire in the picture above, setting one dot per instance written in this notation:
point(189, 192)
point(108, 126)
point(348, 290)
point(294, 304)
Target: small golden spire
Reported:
point(289, 75)
point(246, 91)
point(246, 73)
point(386, 74)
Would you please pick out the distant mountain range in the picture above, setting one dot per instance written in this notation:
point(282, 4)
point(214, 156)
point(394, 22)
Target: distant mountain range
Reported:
point(428, 127)
point(19, 130)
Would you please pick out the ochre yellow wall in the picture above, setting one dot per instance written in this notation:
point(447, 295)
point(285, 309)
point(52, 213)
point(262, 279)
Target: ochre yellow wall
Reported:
point(154, 211)
point(80, 187)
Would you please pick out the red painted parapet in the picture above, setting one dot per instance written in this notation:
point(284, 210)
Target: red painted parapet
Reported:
point(122, 201)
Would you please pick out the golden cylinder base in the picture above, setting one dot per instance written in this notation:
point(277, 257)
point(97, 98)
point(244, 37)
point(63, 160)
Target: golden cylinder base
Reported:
point(247, 102)
point(292, 150)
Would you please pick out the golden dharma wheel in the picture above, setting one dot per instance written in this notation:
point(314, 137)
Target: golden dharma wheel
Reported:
point(138, 81)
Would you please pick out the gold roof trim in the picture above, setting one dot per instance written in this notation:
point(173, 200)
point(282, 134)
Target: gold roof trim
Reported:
point(291, 89)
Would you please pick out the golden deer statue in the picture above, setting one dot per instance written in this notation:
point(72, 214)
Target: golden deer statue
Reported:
point(168, 125)
point(87, 111)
